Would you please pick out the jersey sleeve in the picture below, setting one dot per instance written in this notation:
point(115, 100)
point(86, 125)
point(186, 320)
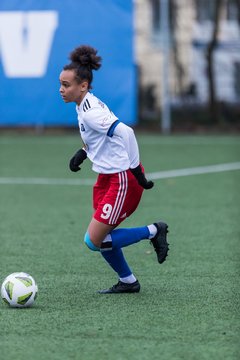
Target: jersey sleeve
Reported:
point(99, 120)
point(130, 143)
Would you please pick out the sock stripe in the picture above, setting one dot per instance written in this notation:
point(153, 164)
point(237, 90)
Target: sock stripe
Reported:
point(106, 245)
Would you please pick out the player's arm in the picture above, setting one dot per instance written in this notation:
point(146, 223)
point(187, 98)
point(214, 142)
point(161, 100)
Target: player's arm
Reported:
point(96, 119)
point(77, 160)
point(130, 143)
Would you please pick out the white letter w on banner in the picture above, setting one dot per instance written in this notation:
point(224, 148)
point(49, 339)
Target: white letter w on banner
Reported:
point(25, 41)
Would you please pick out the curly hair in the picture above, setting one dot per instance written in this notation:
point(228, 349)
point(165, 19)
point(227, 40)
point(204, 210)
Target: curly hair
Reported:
point(84, 59)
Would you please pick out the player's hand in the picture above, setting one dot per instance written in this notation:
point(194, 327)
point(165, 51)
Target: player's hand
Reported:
point(140, 176)
point(77, 159)
point(146, 184)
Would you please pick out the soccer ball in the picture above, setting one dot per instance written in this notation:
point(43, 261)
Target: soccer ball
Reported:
point(19, 290)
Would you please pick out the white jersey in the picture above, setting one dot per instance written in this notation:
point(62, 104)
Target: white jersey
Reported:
point(110, 145)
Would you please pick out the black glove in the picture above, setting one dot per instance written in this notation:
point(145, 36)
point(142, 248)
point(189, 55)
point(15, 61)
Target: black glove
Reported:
point(139, 175)
point(77, 159)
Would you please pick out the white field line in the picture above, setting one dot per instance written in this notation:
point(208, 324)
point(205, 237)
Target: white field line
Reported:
point(194, 171)
point(44, 181)
point(154, 140)
point(190, 141)
point(153, 176)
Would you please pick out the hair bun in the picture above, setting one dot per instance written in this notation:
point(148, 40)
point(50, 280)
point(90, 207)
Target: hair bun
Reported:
point(86, 56)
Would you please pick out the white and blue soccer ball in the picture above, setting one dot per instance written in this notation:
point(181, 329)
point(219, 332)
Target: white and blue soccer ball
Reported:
point(19, 290)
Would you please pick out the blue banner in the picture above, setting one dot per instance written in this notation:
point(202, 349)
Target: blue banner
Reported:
point(36, 38)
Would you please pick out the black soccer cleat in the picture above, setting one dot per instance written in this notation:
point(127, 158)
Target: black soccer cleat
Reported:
point(121, 288)
point(159, 241)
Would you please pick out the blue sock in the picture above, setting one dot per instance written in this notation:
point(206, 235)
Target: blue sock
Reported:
point(124, 237)
point(116, 260)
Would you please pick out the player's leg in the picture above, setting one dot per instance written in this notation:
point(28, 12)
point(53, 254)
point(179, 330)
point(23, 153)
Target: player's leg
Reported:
point(97, 231)
point(113, 206)
point(156, 233)
point(104, 236)
point(116, 197)
point(95, 235)
point(127, 281)
point(127, 201)
point(114, 257)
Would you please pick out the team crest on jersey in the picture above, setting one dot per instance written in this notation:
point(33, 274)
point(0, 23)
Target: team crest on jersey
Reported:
point(101, 103)
point(82, 127)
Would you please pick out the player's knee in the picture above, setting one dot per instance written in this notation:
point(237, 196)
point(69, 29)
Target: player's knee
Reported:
point(89, 243)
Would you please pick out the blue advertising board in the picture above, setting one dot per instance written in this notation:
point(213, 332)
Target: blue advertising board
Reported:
point(36, 37)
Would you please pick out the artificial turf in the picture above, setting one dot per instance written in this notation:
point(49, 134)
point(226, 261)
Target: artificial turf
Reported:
point(188, 307)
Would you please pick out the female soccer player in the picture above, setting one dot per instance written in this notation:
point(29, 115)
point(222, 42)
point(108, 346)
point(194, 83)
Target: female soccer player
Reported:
point(112, 148)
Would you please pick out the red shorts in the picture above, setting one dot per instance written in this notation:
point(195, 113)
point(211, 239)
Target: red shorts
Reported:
point(115, 197)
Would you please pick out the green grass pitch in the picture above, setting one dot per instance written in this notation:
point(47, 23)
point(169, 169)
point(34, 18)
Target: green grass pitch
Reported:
point(188, 307)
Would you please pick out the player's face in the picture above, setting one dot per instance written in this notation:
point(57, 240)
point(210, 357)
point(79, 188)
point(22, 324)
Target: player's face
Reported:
point(70, 89)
